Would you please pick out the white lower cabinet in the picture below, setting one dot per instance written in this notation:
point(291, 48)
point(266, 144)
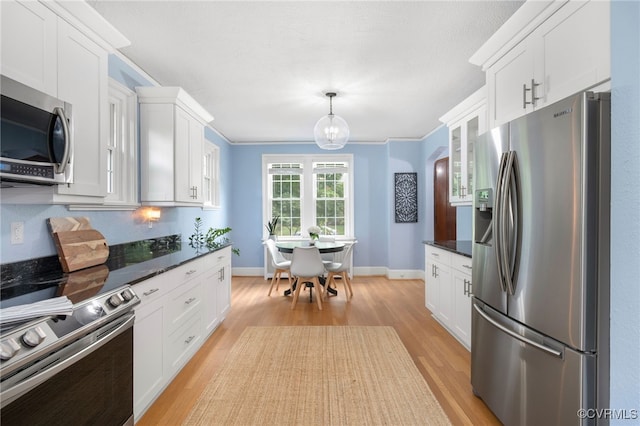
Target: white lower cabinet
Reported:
point(179, 309)
point(217, 293)
point(448, 291)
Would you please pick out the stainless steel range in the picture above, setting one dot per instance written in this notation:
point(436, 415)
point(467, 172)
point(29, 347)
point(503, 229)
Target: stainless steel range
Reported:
point(73, 369)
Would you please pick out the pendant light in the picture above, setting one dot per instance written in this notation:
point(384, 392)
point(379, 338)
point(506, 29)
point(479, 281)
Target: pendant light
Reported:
point(331, 131)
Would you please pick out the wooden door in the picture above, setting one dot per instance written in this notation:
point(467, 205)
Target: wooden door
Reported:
point(444, 215)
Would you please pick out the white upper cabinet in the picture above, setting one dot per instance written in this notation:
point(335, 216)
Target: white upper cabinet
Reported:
point(83, 81)
point(61, 49)
point(29, 45)
point(171, 147)
point(465, 122)
point(545, 52)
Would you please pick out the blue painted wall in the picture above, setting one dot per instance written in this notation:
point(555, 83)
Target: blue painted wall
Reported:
point(371, 194)
point(625, 211)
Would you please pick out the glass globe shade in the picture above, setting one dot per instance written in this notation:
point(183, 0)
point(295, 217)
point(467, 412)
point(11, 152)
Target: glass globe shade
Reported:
point(331, 132)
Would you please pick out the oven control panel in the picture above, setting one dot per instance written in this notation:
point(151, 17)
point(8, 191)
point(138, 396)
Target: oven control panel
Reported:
point(33, 339)
point(21, 341)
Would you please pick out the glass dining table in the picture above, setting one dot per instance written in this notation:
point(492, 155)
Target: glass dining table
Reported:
point(325, 247)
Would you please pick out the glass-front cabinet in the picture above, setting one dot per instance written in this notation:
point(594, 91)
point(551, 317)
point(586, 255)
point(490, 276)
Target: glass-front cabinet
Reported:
point(466, 122)
point(462, 139)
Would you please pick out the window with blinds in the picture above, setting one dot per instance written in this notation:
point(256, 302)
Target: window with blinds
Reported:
point(307, 190)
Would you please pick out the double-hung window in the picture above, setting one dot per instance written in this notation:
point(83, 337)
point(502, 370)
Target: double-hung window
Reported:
point(122, 148)
point(211, 176)
point(309, 190)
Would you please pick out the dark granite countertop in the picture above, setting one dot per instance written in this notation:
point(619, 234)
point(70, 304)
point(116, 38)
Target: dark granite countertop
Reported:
point(130, 263)
point(462, 247)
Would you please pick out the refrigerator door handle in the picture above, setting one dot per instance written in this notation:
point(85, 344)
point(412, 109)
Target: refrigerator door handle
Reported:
point(509, 221)
point(515, 335)
point(497, 221)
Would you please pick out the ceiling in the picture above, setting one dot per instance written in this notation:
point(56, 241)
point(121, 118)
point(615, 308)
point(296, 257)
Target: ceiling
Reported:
point(262, 68)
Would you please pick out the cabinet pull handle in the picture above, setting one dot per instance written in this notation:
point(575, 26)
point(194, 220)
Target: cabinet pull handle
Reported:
point(190, 301)
point(435, 267)
point(191, 271)
point(466, 266)
point(524, 96)
point(189, 339)
point(147, 293)
point(463, 191)
point(470, 289)
point(534, 98)
point(435, 255)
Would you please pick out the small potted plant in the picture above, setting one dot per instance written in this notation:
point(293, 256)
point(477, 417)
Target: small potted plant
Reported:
point(314, 233)
point(271, 227)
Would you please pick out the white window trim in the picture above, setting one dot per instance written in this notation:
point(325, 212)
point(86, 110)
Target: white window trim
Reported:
point(213, 151)
point(125, 173)
point(308, 212)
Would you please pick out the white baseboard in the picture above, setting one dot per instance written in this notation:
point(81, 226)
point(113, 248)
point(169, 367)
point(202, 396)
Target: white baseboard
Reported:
point(394, 274)
point(405, 274)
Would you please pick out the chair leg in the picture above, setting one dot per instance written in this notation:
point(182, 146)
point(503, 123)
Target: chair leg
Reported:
point(276, 280)
point(279, 273)
point(273, 279)
point(347, 283)
point(297, 293)
point(331, 280)
point(289, 278)
point(319, 291)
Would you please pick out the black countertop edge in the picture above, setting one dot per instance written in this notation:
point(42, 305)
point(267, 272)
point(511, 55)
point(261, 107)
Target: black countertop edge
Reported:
point(128, 263)
point(461, 247)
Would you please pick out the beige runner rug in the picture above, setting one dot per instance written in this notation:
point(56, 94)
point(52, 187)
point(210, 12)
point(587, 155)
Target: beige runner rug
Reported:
point(318, 375)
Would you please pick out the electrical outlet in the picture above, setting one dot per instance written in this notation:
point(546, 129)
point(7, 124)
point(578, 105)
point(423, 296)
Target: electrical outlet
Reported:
point(17, 232)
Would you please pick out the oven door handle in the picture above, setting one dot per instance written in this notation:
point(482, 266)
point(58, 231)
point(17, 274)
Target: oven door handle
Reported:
point(9, 395)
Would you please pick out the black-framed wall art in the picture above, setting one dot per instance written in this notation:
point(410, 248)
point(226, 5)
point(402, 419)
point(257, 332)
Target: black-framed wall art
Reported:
point(406, 197)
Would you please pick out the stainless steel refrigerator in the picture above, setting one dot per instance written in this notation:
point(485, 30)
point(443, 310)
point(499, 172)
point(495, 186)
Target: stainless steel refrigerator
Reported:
point(540, 310)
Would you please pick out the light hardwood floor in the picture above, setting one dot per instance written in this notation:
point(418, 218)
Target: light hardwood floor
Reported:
point(443, 361)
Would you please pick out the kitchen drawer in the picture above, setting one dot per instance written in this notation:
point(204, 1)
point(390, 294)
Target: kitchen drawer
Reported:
point(152, 289)
point(181, 303)
point(461, 263)
point(438, 255)
point(183, 344)
point(192, 269)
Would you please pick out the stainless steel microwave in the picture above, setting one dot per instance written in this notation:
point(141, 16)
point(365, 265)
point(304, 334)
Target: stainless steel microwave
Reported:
point(36, 132)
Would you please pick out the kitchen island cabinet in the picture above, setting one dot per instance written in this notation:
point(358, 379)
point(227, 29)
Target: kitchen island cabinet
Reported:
point(179, 309)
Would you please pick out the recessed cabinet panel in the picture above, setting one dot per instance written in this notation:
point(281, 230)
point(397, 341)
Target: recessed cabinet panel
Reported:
point(29, 45)
point(82, 81)
point(575, 47)
point(508, 87)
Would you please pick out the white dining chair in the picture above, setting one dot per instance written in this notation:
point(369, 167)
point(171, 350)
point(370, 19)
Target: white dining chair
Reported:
point(307, 266)
point(280, 265)
point(327, 257)
point(342, 269)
